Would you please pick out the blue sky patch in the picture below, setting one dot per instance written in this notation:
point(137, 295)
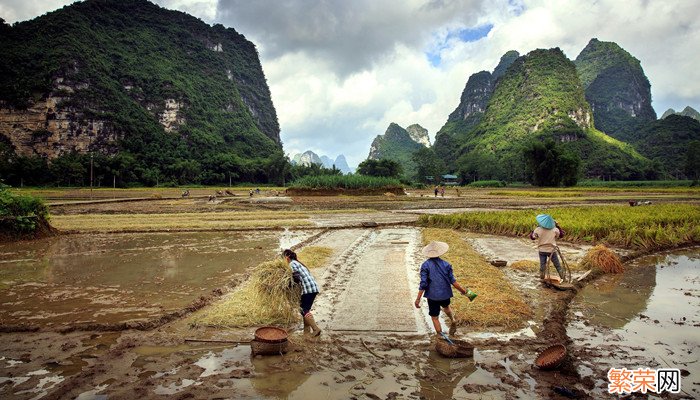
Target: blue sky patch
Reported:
point(463, 35)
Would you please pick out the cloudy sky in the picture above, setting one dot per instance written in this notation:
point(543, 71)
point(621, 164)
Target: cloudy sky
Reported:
point(340, 71)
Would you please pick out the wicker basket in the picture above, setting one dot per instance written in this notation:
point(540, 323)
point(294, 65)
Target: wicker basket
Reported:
point(551, 357)
point(271, 334)
point(459, 349)
point(268, 349)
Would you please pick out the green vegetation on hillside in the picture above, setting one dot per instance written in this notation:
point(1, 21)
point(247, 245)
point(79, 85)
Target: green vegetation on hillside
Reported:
point(122, 60)
point(666, 142)
point(615, 86)
point(540, 97)
point(396, 145)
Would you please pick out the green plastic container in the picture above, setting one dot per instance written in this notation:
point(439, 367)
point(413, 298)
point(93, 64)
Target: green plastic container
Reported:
point(472, 295)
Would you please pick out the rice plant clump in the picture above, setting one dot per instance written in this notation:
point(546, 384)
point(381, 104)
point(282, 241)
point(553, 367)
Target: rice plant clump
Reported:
point(601, 258)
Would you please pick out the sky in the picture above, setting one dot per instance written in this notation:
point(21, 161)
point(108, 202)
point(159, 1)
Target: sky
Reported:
point(341, 71)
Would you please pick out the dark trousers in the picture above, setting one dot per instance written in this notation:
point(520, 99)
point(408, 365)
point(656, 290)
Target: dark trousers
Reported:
point(555, 261)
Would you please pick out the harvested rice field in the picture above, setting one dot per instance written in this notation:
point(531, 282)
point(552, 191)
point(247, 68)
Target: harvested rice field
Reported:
point(143, 293)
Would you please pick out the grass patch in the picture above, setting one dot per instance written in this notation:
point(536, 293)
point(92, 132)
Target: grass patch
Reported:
point(201, 221)
point(499, 304)
point(345, 182)
point(534, 193)
point(264, 299)
point(314, 256)
point(647, 227)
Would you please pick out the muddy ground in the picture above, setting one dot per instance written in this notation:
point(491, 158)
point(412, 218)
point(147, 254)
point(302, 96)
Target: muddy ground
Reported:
point(375, 344)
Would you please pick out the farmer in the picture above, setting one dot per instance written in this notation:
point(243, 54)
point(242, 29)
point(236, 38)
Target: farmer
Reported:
point(546, 235)
point(436, 281)
point(309, 290)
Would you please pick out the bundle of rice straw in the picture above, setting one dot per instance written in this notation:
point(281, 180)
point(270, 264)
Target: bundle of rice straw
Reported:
point(525, 265)
point(601, 258)
point(264, 299)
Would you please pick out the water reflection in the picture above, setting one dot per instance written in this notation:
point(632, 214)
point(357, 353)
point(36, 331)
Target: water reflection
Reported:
point(117, 277)
point(439, 376)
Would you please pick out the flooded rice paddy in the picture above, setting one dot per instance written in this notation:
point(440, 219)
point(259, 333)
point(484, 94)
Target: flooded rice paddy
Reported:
point(108, 278)
point(648, 316)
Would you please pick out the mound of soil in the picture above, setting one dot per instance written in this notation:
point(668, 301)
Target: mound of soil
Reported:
point(398, 191)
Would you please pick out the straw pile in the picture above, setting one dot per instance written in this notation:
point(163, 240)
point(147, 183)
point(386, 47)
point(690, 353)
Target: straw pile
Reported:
point(314, 256)
point(526, 265)
point(264, 299)
point(602, 259)
point(499, 304)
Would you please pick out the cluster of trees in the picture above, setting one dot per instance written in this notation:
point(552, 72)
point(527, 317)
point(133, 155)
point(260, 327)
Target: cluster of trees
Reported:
point(125, 169)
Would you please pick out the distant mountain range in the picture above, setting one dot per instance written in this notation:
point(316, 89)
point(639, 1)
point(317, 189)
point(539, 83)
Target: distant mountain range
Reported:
point(597, 106)
point(309, 157)
point(687, 112)
point(399, 144)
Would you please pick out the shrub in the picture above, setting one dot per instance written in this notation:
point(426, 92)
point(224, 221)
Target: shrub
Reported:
point(21, 214)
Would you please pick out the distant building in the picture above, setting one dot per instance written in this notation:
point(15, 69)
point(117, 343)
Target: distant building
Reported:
point(450, 180)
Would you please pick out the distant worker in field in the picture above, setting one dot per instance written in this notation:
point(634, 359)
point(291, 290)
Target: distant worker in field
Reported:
point(437, 189)
point(546, 234)
point(436, 281)
point(309, 290)
point(442, 191)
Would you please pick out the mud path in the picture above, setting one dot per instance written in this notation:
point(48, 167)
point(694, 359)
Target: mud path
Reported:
point(370, 283)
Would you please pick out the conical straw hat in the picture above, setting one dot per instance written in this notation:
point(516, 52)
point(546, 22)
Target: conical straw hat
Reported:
point(546, 221)
point(435, 249)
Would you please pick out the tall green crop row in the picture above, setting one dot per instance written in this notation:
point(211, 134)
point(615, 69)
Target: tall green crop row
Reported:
point(345, 182)
point(646, 227)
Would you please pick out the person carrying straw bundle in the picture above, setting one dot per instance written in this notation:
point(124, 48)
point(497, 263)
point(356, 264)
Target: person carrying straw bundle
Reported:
point(546, 234)
point(309, 290)
point(436, 281)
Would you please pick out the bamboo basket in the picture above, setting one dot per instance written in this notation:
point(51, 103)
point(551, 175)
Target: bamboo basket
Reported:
point(460, 348)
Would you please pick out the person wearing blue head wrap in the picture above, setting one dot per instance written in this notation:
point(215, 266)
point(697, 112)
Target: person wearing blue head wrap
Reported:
point(546, 234)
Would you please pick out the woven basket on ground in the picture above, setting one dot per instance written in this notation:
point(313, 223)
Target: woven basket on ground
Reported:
point(551, 357)
point(268, 349)
point(459, 349)
point(271, 334)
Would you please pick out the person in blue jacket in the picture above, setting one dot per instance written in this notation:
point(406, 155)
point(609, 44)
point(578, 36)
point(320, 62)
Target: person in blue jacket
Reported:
point(436, 281)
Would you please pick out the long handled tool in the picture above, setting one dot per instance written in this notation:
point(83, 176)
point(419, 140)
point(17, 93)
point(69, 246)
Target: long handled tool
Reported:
point(567, 271)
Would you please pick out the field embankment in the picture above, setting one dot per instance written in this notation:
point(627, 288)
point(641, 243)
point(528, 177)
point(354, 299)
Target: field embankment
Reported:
point(643, 228)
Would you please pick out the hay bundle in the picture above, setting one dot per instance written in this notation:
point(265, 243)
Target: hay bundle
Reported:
point(264, 299)
point(526, 265)
point(601, 258)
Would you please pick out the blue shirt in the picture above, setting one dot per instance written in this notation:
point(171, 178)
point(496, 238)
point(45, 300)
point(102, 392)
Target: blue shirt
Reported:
point(308, 283)
point(436, 278)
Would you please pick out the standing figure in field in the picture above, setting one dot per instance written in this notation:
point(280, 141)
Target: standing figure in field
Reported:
point(309, 290)
point(442, 191)
point(546, 234)
point(436, 190)
point(436, 281)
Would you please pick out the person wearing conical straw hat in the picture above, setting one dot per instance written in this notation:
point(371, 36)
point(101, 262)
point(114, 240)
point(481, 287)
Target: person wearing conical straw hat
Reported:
point(309, 290)
point(546, 234)
point(436, 281)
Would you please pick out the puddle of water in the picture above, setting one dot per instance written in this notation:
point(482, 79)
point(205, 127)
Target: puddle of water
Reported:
point(652, 312)
point(93, 394)
point(117, 277)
